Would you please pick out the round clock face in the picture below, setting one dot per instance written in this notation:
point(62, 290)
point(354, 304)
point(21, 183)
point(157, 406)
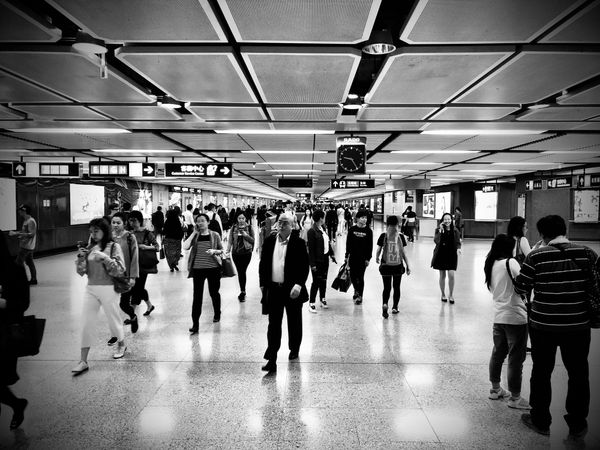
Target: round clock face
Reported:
point(351, 158)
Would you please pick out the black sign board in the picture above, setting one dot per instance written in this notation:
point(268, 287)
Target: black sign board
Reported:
point(60, 170)
point(537, 184)
point(352, 184)
point(595, 180)
point(19, 169)
point(304, 195)
point(211, 170)
point(555, 183)
point(108, 169)
point(488, 188)
point(148, 170)
point(295, 183)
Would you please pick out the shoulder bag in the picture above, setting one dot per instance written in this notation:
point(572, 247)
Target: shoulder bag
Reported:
point(120, 284)
point(147, 257)
point(25, 336)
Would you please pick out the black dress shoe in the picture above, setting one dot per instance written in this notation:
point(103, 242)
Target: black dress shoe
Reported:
point(216, 319)
point(194, 330)
point(293, 355)
point(19, 414)
point(528, 421)
point(269, 367)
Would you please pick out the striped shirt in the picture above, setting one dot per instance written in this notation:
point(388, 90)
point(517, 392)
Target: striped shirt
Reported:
point(203, 260)
point(560, 300)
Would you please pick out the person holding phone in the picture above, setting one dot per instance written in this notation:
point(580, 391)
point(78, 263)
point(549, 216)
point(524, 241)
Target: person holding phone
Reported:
point(204, 264)
point(445, 255)
point(241, 245)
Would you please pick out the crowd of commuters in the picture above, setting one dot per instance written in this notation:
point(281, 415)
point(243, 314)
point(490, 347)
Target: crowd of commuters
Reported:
point(537, 293)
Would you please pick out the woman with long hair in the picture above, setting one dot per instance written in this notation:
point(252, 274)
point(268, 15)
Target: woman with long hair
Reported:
point(306, 223)
point(203, 264)
point(172, 236)
point(100, 260)
point(14, 301)
point(445, 255)
point(517, 228)
point(319, 253)
point(147, 248)
point(510, 322)
point(390, 247)
point(240, 246)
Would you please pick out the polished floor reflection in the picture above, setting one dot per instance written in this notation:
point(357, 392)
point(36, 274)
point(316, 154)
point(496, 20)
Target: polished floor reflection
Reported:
point(416, 380)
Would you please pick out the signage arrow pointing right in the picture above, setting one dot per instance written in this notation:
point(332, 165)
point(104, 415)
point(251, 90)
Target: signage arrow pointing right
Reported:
point(224, 170)
point(148, 170)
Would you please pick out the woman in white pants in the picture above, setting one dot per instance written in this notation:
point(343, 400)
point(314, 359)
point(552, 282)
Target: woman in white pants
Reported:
point(100, 260)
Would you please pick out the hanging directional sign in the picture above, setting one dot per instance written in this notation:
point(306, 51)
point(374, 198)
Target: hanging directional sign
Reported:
point(212, 170)
point(108, 169)
point(352, 184)
point(19, 169)
point(295, 182)
point(148, 170)
point(57, 170)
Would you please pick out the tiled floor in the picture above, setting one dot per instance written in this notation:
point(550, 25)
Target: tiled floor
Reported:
point(415, 380)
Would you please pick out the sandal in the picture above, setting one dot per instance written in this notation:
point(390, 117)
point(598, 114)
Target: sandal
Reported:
point(444, 299)
point(451, 300)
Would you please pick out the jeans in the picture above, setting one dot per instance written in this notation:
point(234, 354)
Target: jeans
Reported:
point(388, 281)
point(574, 350)
point(509, 340)
point(279, 299)
point(241, 261)
point(134, 297)
point(319, 282)
point(25, 257)
point(214, 284)
point(357, 274)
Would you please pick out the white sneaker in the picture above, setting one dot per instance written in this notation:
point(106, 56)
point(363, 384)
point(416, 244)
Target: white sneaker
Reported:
point(312, 308)
point(80, 368)
point(120, 350)
point(324, 304)
point(518, 403)
point(499, 394)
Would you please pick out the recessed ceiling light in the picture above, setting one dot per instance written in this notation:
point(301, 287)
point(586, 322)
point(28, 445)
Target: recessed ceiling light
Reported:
point(251, 131)
point(71, 130)
point(538, 106)
point(467, 132)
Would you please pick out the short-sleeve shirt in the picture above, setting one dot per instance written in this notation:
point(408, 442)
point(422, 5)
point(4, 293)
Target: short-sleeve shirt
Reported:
point(203, 260)
point(27, 242)
point(392, 250)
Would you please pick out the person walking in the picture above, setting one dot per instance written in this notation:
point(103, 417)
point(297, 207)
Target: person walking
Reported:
point(283, 271)
point(204, 264)
point(331, 222)
point(129, 246)
point(319, 253)
point(100, 260)
point(459, 222)
point(158, 222)
point(409, 218)
point(306, 223)
point(14, 301)
point(240, 246)
point(561, 275)
point(188, 219)
point(510, 322)
point(27, 241)
point(445, 255)
point(173, 233)
point(390, 247)
point(359, 250)
point(517, 228)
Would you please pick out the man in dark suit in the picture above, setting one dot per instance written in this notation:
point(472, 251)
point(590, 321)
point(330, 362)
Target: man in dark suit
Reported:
point(283, 271)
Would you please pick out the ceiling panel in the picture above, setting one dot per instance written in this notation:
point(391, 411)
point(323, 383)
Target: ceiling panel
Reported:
point(302, 21)
point(441, 21)
point(474, 112)
point(177, 71)
point(145, 20)
point(165, 124)
point(585, 97)
point(495, 142)
point(572, 113)
point(591, 126)
point(423, 142)
point(413, 70)
point(279, 142)
point(7, 142)
point(72, 75)
point(13, 89)
point(209, 141)
point(328, 142)
point(138, 112)
point(19, 26)
point(510, 156)
point(581, 28)
point(518, 80)
point(359, 127)
point(575, 157)
point(502, 126)
point(320, 76)
point(8, 114)
point(374, 113)
point(324, 113)
point(61, 112)
point(567, 142)
point(228, 112)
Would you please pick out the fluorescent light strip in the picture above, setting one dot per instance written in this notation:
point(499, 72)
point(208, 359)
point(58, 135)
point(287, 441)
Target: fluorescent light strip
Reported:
point(251, 131)
point(293, 170)
point(122, 150)
point(434, 152)
point(481, 132)
point(407, 163)
point(389, 170)
point(285, 152)
point(282, 163)
point(523, 163)
point(71, 130)
point(486, 171)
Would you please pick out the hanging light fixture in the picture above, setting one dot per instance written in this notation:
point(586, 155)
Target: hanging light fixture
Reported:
point(88, 45)
point(167, 102)
point(380, 43)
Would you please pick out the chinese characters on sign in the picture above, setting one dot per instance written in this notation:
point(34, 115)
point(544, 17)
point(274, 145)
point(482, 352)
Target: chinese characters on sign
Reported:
point(351, 184)
point(212, 170)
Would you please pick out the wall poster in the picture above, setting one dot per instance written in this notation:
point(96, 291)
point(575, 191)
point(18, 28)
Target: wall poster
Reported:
point(87, 203)
point(443, 204)
point(429, 205)
point(8, 204)
point(585, 205)
point(486, 204)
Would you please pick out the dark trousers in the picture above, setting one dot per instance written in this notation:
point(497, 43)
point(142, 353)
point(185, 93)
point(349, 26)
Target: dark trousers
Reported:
point(279, 299)
point(410, 232)
point(25, 257)
point(131, 299)
point(357, 275)
point(214, 284)
point(574, 350)
point(509, 340)
point(332, 230)
point(241, 261)
point(388, 282)
point(319, 282)
point(189, 230)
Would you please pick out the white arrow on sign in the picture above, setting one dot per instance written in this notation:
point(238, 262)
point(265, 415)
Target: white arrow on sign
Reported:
point(224, 170)
point(335, 184)
point(20, 169)
point(148, 170)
